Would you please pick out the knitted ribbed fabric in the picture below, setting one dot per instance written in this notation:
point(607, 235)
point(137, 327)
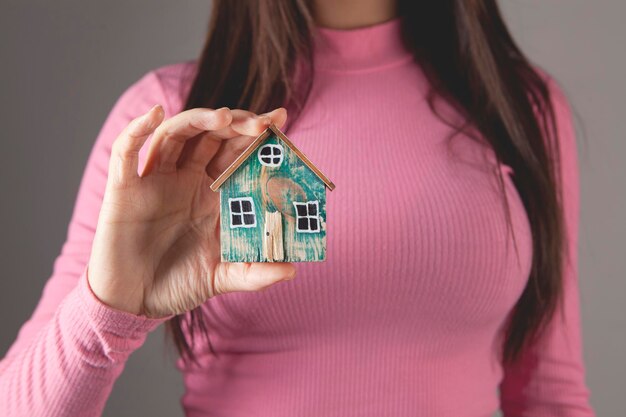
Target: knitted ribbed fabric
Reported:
point(406, 316)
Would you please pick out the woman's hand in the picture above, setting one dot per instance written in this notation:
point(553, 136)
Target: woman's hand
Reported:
point(156, 250)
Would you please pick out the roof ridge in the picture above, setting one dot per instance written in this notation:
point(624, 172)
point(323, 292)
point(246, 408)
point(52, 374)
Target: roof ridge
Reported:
point(255, 143)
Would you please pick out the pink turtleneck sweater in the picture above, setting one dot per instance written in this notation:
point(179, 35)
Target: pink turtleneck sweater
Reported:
point(404, 318)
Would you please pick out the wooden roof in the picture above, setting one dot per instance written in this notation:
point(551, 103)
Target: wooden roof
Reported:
point(255, 144)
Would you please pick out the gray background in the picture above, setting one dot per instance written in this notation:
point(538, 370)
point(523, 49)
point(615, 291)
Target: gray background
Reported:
point(64, 63)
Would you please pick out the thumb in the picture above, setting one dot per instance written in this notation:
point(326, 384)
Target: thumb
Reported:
point(249, 276)
point(124, 160)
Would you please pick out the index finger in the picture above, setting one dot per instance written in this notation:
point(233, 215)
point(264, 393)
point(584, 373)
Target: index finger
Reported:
point(169, 138)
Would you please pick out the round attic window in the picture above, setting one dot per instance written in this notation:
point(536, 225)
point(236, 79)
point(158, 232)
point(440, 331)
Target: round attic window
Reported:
point(271, 155)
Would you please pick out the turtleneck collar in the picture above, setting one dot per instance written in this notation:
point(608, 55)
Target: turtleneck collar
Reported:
point(360, 49)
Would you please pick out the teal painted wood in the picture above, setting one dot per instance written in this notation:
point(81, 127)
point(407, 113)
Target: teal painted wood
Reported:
point(273, 189)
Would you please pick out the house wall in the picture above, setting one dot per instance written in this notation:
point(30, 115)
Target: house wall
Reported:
point(273, 189)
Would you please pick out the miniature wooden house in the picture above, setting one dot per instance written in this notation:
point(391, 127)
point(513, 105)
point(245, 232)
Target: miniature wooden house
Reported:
point(272, 204)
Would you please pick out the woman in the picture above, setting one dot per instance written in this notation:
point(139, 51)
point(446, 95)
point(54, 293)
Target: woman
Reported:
point(450, 287)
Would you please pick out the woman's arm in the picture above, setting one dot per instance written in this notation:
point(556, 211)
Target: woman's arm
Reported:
point(549, 380)
point(155, 251)
point(69, 353)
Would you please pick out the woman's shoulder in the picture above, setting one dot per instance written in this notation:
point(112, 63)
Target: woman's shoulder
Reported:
point(167, 84)
point(175, 80)
point(561, 107)
point(558, 95)
point(176, 75)
point(566, 141)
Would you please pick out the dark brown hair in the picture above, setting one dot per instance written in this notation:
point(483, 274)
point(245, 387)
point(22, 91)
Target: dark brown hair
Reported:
point(258, 56)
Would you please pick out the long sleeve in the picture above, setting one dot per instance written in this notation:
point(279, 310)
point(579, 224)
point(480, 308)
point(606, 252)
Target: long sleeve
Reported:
point(549, 380)
point(70, 352)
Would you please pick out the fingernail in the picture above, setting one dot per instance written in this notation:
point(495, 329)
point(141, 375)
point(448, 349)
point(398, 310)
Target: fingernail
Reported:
point(155, 107)
point(223, 108)
point(150, 112)
point(266, 119)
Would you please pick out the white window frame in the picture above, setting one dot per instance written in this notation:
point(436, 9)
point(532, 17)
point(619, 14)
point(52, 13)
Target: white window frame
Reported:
point(231, 214)
point(271, 146)
point(308, 216)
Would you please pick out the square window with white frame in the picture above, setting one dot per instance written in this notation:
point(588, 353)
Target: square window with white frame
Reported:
point(307, 216)
point(242, 212)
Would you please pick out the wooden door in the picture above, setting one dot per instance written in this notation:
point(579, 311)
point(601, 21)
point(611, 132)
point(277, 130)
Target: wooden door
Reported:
point(273, 237)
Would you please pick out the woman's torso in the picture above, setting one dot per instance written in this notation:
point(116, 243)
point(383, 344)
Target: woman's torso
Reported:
point(406, 314)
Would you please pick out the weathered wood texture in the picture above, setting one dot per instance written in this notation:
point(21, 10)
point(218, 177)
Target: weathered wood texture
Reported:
point(273, 189)
point(273, 238)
